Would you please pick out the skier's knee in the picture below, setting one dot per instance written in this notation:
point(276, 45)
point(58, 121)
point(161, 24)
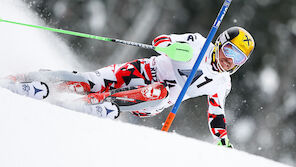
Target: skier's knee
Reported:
point(74, 86)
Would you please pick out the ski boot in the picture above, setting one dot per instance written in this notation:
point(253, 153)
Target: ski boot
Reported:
point(37, 90)
point(103, 110)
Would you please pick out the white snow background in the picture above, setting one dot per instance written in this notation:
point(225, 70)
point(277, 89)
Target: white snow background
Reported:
point(38, 134)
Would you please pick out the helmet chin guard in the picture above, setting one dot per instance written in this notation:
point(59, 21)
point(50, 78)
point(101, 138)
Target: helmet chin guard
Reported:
point(241, 39)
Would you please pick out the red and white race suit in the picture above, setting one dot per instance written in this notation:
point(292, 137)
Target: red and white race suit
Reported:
point(207, 80)
point(157, 69)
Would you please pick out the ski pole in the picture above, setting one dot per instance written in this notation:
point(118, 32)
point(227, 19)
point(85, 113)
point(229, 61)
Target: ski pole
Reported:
point(210, 36)
point(176, 51)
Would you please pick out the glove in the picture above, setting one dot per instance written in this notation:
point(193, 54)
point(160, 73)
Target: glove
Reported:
point(162, 41)
point(225, 142)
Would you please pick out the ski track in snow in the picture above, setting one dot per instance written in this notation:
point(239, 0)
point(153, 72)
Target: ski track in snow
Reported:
point(37, 133)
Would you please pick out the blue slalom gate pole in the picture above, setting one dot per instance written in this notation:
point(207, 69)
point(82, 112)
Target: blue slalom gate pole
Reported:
point(209, 39)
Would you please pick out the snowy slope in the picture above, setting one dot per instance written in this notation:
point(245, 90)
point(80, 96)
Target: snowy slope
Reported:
point(35, 133)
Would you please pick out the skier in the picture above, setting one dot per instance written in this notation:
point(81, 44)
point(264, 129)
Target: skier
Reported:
point(145, 87)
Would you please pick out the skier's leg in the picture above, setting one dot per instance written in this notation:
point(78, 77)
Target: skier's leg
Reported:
point(140, 100)
point(62, 81)
point(134, 73)
point(137, 72)
point(79, 82)
point(104, 110)
point(131, 86)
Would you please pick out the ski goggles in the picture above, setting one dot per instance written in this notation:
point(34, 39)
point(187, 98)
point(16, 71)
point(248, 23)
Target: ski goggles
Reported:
point(231, 51)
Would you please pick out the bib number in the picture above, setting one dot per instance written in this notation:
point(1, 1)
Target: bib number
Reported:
point(197, 75)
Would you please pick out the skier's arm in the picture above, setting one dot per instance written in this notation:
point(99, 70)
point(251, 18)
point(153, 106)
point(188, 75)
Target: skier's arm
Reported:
point(216, 118)
point(166, 40)
point(162, 40)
